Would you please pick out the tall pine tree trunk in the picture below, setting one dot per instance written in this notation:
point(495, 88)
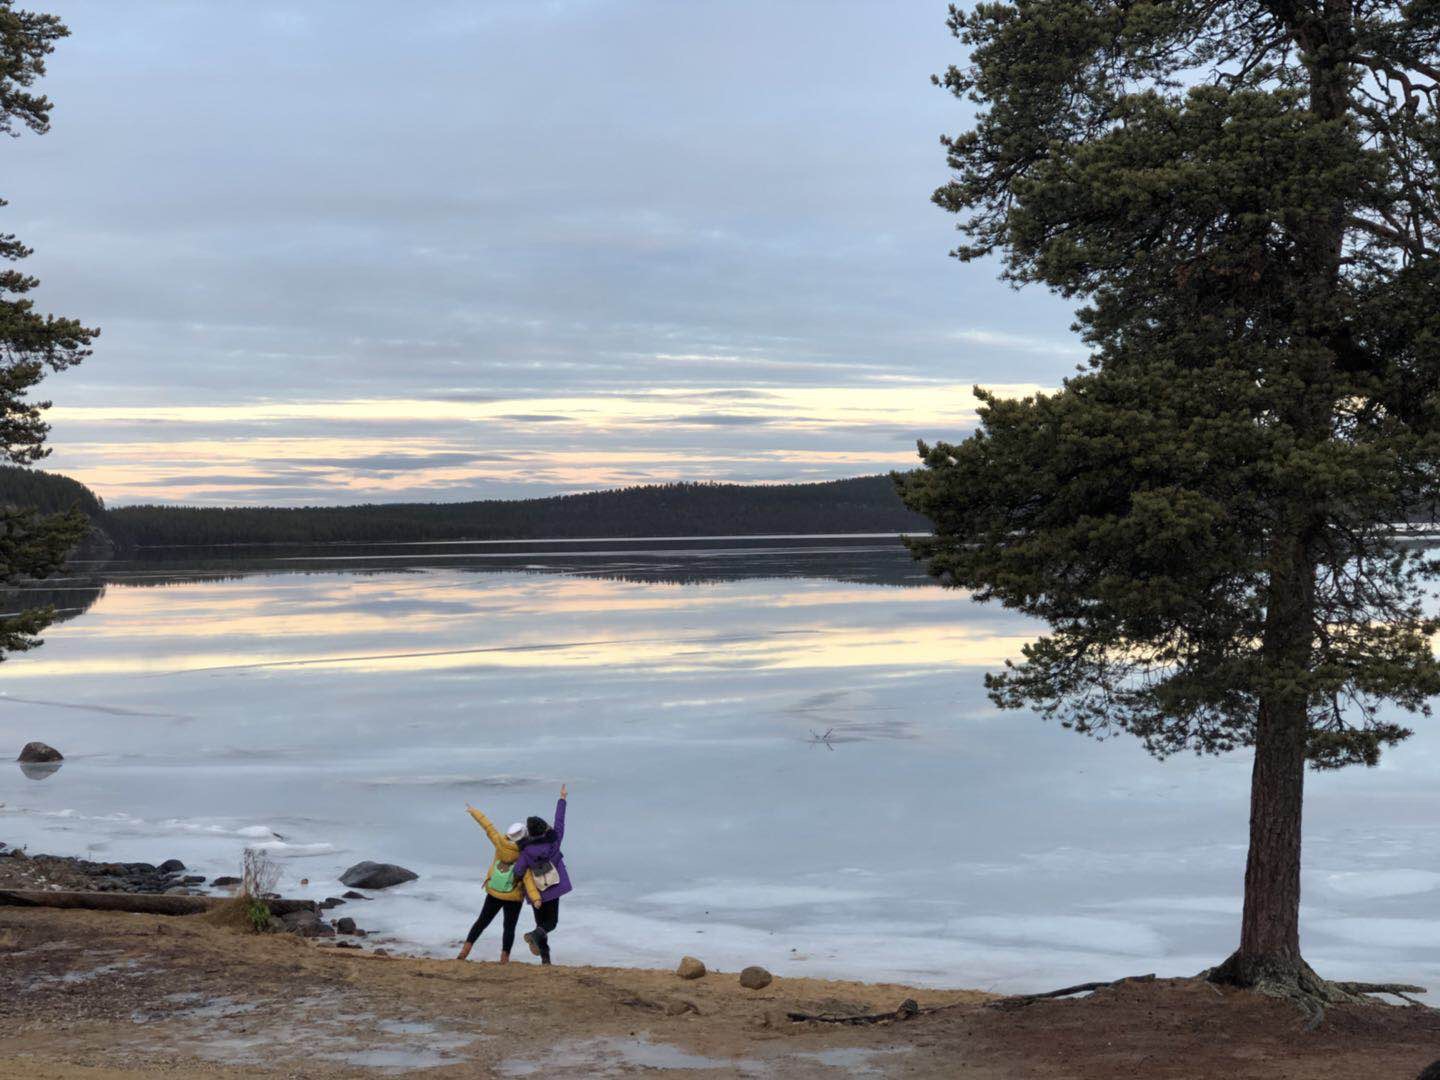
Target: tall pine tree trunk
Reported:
point(1270, 925)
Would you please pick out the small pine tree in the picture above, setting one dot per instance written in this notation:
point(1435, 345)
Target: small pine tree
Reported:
point(32, 545)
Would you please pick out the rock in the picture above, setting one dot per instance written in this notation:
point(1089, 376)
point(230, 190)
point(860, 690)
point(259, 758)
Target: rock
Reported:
point(373, 875)
point(755, 978)
point(193, 879)
point(306, 924)
point(331, 902)
point(347, 944)
point(224, 881)
point(382, 952)
point(690, 968)
point(679, 1007)
point(171, 866)
point(1432, 1072)
point(353, 895)
point(345, 925)
point(37, 753)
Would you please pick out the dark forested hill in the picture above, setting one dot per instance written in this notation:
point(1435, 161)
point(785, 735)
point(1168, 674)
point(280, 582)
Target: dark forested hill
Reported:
point(863, 504)
point(48, 492)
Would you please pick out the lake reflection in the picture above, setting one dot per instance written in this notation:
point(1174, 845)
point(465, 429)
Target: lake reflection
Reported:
point(339, 704)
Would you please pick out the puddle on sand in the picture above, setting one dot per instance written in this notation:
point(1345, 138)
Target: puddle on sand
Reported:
point(615, 1057)
point(314, 1028)
point(854, 1060)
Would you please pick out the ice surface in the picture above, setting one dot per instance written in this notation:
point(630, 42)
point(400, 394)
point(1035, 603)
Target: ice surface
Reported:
point(332, 716)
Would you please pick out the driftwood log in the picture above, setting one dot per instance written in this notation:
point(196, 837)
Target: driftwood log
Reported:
point(139, 903)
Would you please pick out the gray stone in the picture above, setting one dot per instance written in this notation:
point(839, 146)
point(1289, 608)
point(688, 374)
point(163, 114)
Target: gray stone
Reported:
point(171, 866)
point(331, 902)
point(224, 881)
point(1432, 1072)
point(373, 875)
point(37, 753)
point(755, 978)
point(345, 925)
point(306, 924)
point(690, 968)
point(353, 895)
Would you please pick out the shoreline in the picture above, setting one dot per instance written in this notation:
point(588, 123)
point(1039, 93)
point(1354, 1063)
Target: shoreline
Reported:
point(88, 995)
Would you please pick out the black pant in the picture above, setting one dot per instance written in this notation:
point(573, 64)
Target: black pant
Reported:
point(511, 908)
point(547, 917)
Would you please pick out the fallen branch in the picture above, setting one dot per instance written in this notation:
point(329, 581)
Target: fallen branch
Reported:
point(136, 903)
point(907, 1009)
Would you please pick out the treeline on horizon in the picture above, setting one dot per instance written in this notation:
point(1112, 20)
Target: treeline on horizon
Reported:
point(861, 504)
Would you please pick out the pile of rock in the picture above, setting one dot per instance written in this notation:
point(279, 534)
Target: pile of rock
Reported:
point(68, 872)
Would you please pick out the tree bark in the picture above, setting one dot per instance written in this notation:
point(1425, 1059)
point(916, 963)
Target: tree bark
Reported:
point(1270, 924)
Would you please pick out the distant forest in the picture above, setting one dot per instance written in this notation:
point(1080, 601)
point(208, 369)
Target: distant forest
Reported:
point(862, 504)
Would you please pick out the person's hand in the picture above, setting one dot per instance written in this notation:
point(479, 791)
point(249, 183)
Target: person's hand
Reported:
point(562, 791)
point(469, 807)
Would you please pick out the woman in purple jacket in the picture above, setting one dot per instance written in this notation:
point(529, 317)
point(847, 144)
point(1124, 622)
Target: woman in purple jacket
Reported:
point(540, 855)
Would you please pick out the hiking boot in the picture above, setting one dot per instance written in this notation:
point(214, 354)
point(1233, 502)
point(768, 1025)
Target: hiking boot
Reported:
point(530, 940)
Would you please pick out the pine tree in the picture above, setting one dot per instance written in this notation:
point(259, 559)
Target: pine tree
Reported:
point(32, 545)
point(1243, 197)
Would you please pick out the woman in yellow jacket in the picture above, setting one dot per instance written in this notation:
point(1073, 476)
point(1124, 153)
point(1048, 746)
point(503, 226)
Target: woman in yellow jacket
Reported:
point(502, 892)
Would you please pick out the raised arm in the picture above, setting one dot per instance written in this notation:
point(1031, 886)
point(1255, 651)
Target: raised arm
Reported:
point(559, 825)
point(484, 822)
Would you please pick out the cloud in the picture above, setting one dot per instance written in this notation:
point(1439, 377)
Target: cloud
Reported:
point(694, 234)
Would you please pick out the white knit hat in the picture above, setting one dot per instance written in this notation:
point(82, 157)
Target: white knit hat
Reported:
point(516, 832)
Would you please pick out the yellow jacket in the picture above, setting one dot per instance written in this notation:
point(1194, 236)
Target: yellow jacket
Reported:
point(506, 850)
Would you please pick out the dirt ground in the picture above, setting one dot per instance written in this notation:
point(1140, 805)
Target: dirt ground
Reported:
point(111, 996)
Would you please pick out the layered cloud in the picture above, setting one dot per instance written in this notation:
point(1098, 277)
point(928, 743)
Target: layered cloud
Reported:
point(347, 250)
point(388, 449)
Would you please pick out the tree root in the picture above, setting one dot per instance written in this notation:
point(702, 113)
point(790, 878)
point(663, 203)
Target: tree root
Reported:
point(1297, 983)
point(1019, 1001)
point(908, 1008)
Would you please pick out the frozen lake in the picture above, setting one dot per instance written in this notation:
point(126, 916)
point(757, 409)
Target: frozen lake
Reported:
point(344, 705)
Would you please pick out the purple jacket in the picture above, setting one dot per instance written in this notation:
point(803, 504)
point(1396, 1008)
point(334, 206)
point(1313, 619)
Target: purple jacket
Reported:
point(547, 848)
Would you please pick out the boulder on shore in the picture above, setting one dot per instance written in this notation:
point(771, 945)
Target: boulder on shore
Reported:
point(225, 880)
point(373, 875)
point(1432, 1071)
point(345, 925)
point(690, 968)
point(306, 924)
point(37, 753)
point(171, 866)
point(755, 978)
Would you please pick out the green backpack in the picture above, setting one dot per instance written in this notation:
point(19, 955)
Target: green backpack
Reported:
point(502, 877)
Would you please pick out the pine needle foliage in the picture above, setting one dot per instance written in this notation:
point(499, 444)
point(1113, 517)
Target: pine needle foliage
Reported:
point(32, 344)
point(1242, 197)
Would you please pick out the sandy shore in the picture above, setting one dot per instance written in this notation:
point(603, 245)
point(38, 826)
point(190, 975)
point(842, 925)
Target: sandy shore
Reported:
point(109, 996)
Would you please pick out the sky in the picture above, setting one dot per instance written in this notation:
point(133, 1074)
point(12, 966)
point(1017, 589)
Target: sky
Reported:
point(353, 252)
